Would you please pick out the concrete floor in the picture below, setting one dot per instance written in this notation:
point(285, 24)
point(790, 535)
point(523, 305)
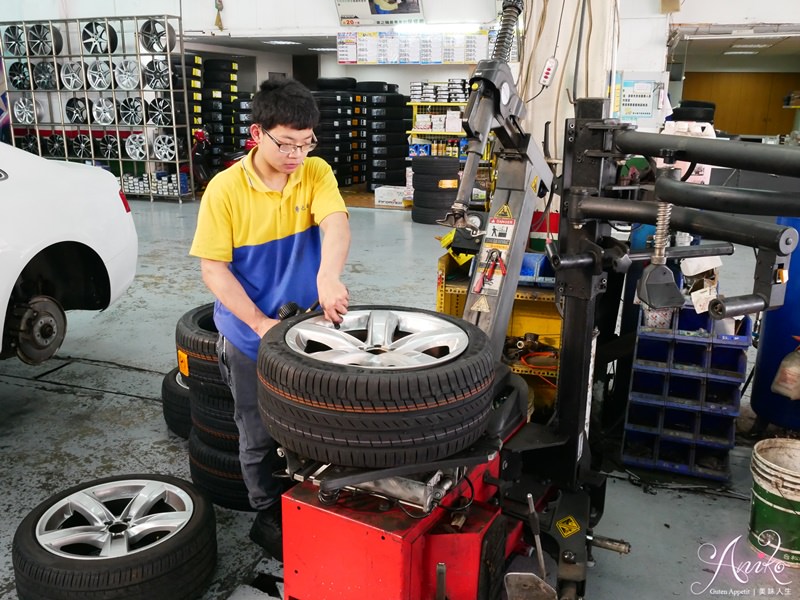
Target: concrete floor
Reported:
point(95, 411)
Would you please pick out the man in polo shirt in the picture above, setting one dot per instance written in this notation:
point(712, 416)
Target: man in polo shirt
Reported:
point(259, 243)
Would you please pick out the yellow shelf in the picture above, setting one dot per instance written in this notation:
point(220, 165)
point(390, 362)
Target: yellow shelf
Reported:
point(436, 103)
point(429, 132)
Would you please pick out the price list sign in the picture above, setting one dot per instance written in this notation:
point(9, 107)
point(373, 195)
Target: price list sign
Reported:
point(379, 12)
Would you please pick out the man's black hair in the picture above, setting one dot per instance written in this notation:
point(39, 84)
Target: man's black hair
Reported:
point(285, 102)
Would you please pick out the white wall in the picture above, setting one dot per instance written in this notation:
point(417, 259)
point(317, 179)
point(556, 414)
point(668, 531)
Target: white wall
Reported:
point(737, 11)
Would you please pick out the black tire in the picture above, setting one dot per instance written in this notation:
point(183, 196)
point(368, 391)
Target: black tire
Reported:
point(427, 216)
point(374, 417)
point(218, 474)
point(334, 112)
point(214, 77)
point(212, 415)
point(693, 113)
point(178, 565)
point(217, 64)
point(442, 166)
point(379, 99)
point(333, 98)
point(196, 343)
point(336, 83)
point(175, 403)
point(372, 86)
point(430, 183)
point(434, 200)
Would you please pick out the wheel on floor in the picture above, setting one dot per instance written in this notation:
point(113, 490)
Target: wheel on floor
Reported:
point(131, 537)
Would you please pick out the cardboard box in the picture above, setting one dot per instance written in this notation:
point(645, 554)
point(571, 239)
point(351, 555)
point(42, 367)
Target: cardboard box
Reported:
point(390, 195)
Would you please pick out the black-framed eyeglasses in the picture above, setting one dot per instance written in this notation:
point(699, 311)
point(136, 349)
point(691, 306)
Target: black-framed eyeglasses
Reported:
point(289, 148)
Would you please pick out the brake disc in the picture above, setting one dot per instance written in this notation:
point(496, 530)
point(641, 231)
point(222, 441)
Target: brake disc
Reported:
point(42, 327)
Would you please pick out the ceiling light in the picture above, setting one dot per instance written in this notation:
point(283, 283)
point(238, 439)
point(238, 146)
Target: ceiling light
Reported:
point(323, 49)
point(733, 36)
point(282, 43)
point(740, 52)
point(752, 45)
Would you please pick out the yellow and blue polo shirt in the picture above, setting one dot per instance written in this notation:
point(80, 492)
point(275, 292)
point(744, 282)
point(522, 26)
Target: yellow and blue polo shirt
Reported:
point(270, 239)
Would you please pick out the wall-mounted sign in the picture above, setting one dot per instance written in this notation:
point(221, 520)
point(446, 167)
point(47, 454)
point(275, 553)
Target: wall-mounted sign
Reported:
point(379, 12)
point(388, 48)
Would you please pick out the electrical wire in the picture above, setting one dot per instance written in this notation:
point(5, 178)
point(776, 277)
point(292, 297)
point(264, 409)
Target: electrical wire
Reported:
point(469, 502)
point(561, 76)
point(588, 46)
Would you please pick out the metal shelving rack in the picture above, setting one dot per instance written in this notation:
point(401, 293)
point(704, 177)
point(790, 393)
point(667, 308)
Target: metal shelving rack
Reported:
point(74, 86)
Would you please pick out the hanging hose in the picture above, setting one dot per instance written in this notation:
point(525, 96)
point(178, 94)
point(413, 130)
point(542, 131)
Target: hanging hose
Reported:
point(508, 23)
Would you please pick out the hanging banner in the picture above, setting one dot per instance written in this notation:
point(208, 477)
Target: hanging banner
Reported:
point(379, 12)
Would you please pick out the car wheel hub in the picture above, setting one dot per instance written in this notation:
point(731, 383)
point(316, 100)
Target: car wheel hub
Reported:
point(42, 328)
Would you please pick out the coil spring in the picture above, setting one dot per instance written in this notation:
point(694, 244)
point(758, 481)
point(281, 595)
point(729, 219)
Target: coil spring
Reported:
point(661, 236)
point(505, 37)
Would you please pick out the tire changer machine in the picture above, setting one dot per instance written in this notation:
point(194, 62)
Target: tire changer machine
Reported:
point(534, 491)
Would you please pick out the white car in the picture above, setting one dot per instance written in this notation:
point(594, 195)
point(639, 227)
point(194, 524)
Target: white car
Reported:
point(67, 241)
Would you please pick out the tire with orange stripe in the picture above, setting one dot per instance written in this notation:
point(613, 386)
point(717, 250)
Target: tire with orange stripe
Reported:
point(374, 417)
point(196, 344)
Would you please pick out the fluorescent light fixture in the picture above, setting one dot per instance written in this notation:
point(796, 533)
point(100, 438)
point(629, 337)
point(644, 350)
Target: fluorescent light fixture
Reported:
point(421, 28)
point(741, 52)
point(323, 49)
point(282, 43)
point(752, 46)
point(733, 36)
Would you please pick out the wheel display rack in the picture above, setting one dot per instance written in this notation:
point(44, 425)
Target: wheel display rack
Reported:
point(108, 91)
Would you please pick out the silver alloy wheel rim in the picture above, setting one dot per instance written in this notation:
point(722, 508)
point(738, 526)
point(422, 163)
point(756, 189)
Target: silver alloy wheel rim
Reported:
point(379, 339)
point(164, 147)
point(82, 146)
point(73, 75)
point(160, 111)
point(44, 76)
point(19, 76)
point(136, 146)
point(55, 145)
point(14, 40)
point(104, 111)
point(97, 38)
point(156, 37)
point(127, 74)
point(109, 146)
point(87, 525)
point(131, 111)
point(40, 40)
point(77, 110)
point(99, 75)
point(27, 110)
point(156, 74)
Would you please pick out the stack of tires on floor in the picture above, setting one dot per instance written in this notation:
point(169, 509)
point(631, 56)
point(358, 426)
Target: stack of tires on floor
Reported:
point(435, 182)
point(335, 132)
point(197, 384)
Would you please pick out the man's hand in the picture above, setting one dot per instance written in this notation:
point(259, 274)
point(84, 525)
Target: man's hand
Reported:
point(264, 325)
point(333, 298)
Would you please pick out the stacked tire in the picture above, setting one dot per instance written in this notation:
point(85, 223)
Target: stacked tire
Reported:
point(226, 112)
point(435, 182)
point(383, 119)
point(335, 133)
point(213, 436)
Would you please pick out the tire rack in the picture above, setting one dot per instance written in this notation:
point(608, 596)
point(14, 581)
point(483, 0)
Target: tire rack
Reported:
point(335, 134)
point(128, 42)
